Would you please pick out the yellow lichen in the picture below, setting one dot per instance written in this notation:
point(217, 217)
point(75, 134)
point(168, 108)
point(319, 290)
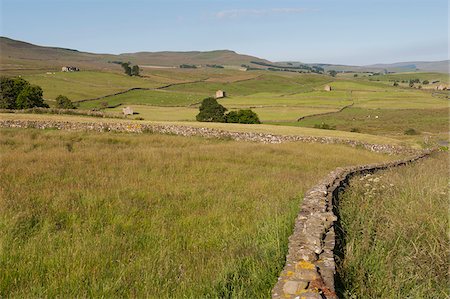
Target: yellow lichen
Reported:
point(305, 265)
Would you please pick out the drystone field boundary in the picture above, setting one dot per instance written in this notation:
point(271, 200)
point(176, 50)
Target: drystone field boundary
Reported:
point(199, 131)
point(310, 268)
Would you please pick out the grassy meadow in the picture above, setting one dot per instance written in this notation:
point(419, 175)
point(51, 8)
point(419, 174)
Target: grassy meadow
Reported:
point(125, 215)
point(146, 97)
point(86, 84)
point(396, 232)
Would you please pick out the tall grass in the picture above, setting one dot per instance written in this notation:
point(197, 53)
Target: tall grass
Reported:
point(396, 225)
point(122, 215)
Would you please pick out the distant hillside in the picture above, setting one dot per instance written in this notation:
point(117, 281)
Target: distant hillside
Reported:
point(18, 55)
point(428, 66)
point(412, 66)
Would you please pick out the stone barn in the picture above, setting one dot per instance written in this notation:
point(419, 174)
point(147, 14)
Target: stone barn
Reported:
point(70, 69)
point(220, 94)
point(441, 87)
point(127, 111)
point(327, 88)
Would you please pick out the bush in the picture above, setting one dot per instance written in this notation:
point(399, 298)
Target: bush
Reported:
point(425, 82)
point(63, 102)
point(411, 131)
point(211, 111)
point(355, 130)
point(324, 126)
point(243, 117)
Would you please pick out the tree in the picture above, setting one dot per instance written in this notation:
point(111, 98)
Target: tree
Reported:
point(10, 88)
point(395, 83)
point(135, 70)
point(29, 97)
point(425, 82)
point(211, 111)
point(242, 117)
point(355, 75)
point(126, 67)
point(332, 73)
point(64, 102)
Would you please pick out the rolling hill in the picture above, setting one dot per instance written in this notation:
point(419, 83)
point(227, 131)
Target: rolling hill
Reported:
point(18, 55)
point(398, 67)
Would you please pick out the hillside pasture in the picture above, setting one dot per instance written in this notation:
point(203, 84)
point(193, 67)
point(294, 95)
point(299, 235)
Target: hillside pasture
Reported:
point(147, 97)
point(265, 83)
point(86, 84)
point(385, 121)
point(401, 99)
point(127, 215)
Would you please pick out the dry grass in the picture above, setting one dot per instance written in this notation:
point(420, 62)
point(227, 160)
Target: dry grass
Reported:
point(124, 215)
point(396, 225)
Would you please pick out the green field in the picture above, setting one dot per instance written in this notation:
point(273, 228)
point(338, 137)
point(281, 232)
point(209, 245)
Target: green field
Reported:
point(396, 233)
point(86, 84)
point(265, 83)
point(125, 215)
point(147, 97)
point(385, 121)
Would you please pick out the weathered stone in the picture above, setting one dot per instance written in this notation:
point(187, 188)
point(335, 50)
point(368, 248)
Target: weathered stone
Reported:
point(292, 287)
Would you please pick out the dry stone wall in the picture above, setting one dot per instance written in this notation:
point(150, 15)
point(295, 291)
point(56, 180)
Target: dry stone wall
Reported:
point(310, 268)
point(198, 131)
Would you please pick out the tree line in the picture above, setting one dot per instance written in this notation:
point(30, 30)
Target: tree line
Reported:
point(212, 111)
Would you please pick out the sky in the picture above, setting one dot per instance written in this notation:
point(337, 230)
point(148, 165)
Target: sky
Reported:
point(356, 32)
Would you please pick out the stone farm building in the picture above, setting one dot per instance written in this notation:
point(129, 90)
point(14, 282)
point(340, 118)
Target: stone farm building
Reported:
point(70, 69)
point(220, 94)
point(327, 88)
point(127, 111)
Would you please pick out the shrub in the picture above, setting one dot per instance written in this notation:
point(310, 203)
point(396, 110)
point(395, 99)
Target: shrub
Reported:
point(243, 117)
point(324, 126)
point(64, 102)
point(411, 131)
point(211, 111)
point(425, 82)
point(355, 130)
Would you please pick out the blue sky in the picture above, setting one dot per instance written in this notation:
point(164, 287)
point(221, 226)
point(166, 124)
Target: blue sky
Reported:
point(330, 31)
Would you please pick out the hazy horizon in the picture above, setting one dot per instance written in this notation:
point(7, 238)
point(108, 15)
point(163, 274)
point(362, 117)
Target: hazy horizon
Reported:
point(322, 31)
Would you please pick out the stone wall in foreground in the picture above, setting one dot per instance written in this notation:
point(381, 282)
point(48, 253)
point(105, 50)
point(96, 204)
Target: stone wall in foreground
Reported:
point(198, 131)
point(309, 272)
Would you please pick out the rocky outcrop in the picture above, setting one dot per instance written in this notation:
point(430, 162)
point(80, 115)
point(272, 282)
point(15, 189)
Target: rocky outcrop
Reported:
point(199, 131)
point(310, 266)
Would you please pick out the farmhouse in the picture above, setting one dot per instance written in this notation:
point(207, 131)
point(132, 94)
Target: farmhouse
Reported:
point(70, 69)
point(327, 88)
point(220, 94)
point(441, 87)
point(127, 111)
